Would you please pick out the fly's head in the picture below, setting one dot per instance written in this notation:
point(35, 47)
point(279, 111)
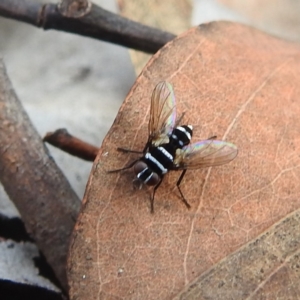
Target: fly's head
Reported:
point(144, 174)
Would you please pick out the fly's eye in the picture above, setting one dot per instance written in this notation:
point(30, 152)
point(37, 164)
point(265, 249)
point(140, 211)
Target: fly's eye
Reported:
point(139, 167)
point(154, 180)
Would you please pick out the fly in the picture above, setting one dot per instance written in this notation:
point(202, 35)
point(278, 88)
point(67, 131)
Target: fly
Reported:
point(168, 146)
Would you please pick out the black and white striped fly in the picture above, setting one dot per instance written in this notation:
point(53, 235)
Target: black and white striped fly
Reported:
point(168, 146)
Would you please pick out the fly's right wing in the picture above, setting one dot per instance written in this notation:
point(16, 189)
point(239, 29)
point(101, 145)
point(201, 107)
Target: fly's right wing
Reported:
point(162, 114)
point(207, 153)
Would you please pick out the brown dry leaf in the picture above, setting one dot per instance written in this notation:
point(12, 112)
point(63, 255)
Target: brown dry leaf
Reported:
point(241, 237)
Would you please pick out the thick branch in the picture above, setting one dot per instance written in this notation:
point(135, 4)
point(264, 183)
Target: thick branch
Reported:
point(42, 194)
point(87, 20)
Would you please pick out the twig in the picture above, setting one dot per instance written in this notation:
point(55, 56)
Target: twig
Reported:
point(47, 203)
point(72, 145)
point(87, 19)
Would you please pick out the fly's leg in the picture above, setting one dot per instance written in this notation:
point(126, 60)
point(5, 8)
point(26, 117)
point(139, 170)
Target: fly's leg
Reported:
point(178, 186)
point(178, 121)
point(124, 150)
point(149, 142)
point(152, 198)
point(125, 168)
point(212, 137)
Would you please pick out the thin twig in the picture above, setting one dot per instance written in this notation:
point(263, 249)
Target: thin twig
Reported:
point(87, 19)
point(47, 203)
point(65, 141)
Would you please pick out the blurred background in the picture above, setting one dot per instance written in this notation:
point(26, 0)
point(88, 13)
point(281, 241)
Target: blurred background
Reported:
point(68, 81)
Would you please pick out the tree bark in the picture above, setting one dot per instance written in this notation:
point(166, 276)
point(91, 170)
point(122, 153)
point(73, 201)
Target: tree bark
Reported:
point(47, 203)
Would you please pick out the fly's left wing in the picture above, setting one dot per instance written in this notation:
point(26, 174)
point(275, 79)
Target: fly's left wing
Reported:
point(207, 153)
point(162, 114)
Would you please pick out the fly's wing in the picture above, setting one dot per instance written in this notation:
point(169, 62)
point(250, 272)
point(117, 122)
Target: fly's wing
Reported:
point(207, 153)
point(162, 114)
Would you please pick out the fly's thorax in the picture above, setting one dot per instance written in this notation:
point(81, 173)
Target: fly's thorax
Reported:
point(145, 174)
point(181, 135)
